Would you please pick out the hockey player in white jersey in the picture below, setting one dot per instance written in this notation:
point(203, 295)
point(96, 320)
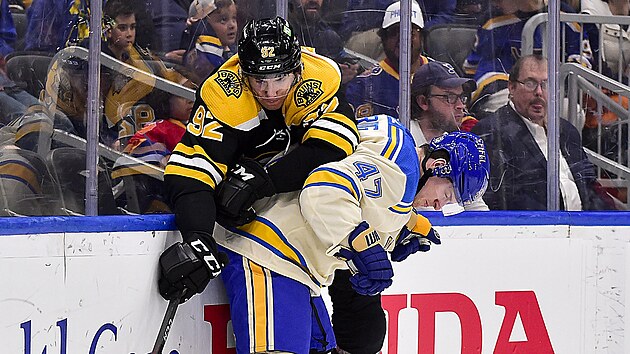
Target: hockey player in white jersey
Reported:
point(349, 214)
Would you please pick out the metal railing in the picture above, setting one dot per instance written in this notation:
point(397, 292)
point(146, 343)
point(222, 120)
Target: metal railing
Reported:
point(582, 80)
point(576, 80)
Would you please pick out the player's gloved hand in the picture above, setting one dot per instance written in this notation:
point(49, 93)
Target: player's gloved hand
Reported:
point(367, 260)
point(247, 182)
point(190, 265)
point(416, 236)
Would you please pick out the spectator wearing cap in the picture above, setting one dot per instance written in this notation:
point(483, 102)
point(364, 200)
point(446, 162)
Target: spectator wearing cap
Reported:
point(438, 102)
point(363, 15)
point(376, 91)
point(211, 39)
point(438, 107)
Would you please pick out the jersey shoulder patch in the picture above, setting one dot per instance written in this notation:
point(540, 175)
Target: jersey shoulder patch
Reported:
point(227, 98)
point(321, 79)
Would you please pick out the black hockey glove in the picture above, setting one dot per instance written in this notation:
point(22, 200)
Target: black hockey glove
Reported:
point(190, 265)
point(243, 185)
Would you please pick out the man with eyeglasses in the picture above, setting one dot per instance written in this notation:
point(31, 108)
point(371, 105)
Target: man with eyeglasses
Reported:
point(438, 106)
point(438, 102)
point(516, 138)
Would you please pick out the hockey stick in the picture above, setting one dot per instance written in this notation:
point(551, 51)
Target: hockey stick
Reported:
point(169, 315)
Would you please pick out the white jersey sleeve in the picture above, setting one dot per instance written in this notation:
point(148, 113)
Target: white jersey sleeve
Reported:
point(297, 236)
point(377, 184)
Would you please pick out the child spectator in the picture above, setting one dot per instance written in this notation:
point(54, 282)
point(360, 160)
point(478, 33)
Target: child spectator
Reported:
point(128, 99)
point(211, 40)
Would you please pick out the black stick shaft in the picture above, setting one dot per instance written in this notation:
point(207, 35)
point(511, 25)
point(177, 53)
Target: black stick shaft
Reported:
point(169, 315)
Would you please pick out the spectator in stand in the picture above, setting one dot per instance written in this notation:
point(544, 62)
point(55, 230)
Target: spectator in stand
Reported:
point(10, 106)
point(376, 90)
point(154, 144)
point(438, 102)
point(8, 34)
point(438, 107)
point(210, 41)
point(615, 52)
point(306, 18)
point(49, 23)
point(56, 24)
point(14, 101)
point(363, 15)
point(169, 22)
point(128, 101)
point(516, 141)
point(498, 46)
point(312, 31)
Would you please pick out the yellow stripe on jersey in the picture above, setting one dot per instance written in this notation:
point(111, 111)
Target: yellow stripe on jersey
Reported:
point(389, 69)
point(336, 129)
point(190, 173)
point(393, 144)
point(574, 26)
point(331, 138)
point(195, 163)
point(500, 21)
point(198, 150)
point(401, 208)
point(487, 80)
point(20, 171)
point(272, 240)
point(266, 234)
point(259, 296)
point(209, 39)
point(333, 178)
point(134, 170)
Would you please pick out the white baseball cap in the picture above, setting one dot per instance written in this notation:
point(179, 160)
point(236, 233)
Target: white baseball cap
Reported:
point(392, 15)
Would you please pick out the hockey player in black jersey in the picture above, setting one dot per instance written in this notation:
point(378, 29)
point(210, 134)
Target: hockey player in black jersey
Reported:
point(272, 94)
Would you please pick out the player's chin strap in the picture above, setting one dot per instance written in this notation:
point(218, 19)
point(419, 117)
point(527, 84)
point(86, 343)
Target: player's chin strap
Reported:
point(426, 173)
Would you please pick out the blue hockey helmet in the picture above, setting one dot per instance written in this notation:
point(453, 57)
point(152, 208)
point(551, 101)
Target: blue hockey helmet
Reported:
point(467, 165)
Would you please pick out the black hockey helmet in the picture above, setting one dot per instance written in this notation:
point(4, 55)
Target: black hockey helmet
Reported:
point(267, 47)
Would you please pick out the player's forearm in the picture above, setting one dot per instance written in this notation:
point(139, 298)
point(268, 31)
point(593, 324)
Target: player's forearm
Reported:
point(289, 173)
point(195, 212)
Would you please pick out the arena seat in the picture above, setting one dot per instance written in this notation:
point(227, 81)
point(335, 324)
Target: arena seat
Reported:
point(29, 70)
point(450, 43)
point(67, 165)
point(26, 186)
point(21, 24)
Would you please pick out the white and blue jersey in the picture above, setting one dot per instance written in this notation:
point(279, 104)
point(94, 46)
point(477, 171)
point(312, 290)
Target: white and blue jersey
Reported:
point(296, 234)
point(289, 248)
point(376, 91)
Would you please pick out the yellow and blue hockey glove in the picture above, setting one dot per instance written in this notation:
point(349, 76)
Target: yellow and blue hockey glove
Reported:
point(371, 269)
point(416, 236)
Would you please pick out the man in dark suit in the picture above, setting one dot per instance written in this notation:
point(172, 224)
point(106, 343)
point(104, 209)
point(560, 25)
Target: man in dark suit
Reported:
point(516, 140)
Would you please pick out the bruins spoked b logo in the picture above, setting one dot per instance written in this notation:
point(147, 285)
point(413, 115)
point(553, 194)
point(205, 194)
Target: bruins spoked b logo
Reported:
point(308, 92)
point(229, 83)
